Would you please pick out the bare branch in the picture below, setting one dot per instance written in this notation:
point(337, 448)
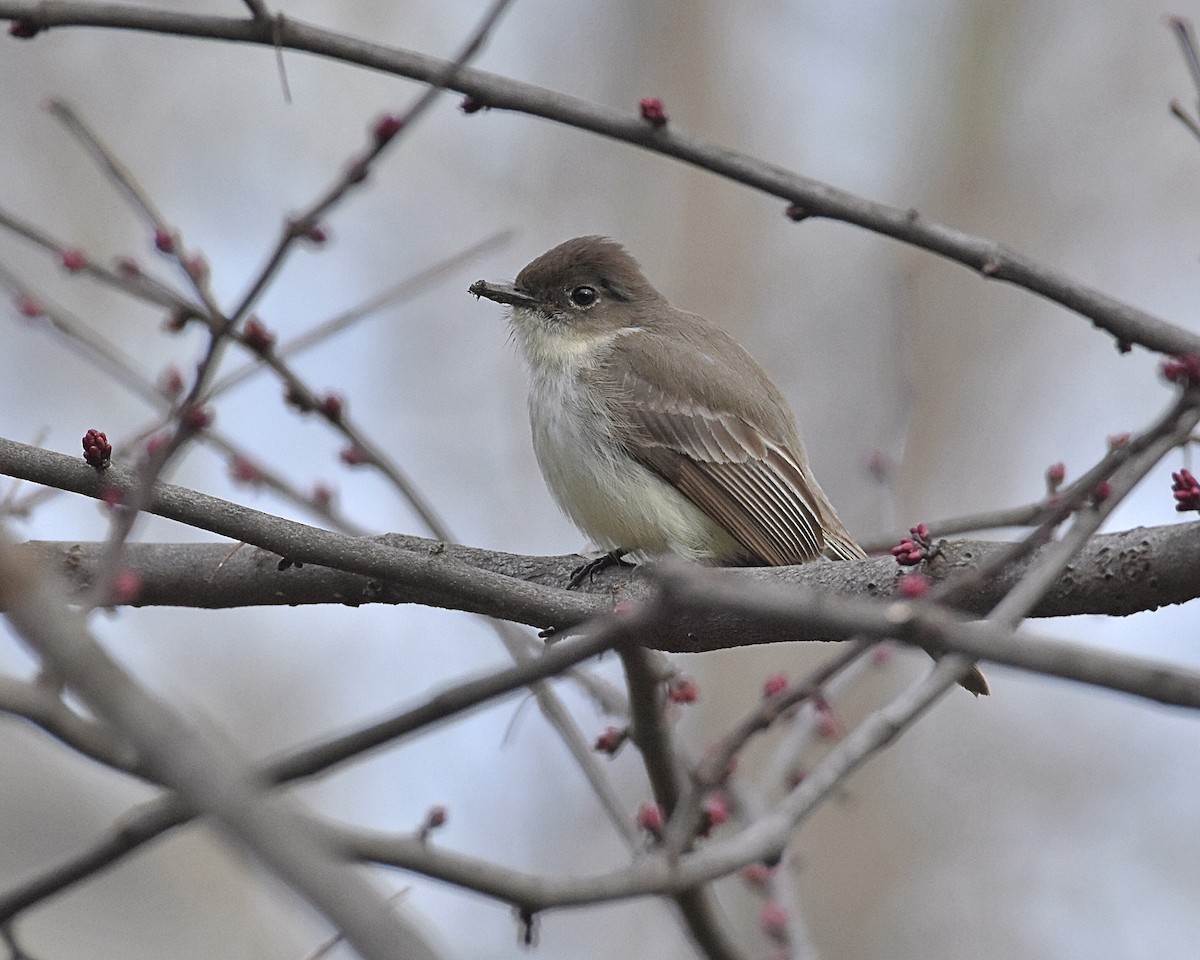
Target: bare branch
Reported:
point(1116, 574)
point(156, 818)
point(1127, 324)
point(44, 708)
point(442, 579)
point(200, 767)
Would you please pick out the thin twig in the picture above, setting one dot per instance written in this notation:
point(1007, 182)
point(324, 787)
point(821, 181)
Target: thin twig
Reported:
point(159, 816)
point(1126, 324)
point(204, 771)
point(356, 172)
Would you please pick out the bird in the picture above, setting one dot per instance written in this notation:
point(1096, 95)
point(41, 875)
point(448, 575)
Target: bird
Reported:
point(655, 431)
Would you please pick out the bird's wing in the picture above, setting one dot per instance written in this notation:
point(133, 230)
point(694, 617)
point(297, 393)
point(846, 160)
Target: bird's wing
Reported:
point(751, 483)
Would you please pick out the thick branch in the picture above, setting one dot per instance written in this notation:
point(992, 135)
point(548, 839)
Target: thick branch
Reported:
point(1117, 574)
point(434, 576)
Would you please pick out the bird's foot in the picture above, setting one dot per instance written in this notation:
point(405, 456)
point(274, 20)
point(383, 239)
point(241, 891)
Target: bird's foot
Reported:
point(589, 570)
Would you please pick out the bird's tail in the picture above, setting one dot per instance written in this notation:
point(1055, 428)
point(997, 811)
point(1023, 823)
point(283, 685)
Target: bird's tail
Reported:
point(839, 545)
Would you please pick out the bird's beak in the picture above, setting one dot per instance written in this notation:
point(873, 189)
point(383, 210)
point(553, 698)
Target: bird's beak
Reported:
point(502, 293)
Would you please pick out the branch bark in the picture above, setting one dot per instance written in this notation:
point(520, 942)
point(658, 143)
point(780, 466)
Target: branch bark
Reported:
point(1116, 574)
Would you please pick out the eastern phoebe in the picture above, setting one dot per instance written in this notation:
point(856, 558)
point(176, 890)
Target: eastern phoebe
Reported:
point(656, 432)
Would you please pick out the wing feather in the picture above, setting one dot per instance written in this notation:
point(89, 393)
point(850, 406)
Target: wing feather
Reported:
point(733, 452)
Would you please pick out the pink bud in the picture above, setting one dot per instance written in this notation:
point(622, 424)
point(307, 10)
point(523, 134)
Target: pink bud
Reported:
point(97, 451)
point(650, 819)
point(796, 212)
point(353, 455)
point(386, 127)
point(610, 741)
point(774, 920)
point(73, 259)
point(322, 496)
point(244, 471)
point(23, 29)
point(716, 811)
point(683, 689)
point(332, 406)
point(757, 874)
point(126, 586)
point(196, 417)
point(170, 382)
point(256, 335)
point(28, 307)
point(154, 444)
point(653, 112)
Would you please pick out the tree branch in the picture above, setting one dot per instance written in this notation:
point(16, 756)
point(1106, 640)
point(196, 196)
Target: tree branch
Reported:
point(1116, 574)
point(206, 773)
point(1127, 324)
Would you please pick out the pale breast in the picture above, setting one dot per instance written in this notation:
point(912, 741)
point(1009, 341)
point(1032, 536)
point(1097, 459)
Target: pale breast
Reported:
point(616, 501)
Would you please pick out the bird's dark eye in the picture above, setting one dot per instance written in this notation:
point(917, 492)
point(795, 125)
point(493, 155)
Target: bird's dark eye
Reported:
point(583, 296)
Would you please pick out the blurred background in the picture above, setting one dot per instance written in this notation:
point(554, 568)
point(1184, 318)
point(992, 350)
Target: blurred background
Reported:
point(1048, 820)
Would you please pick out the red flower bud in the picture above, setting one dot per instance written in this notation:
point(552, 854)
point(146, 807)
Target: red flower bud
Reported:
point(170, 382)
point(256, 335)
point(23, 29)
point(73, 259)
point(1183, 369)
point(197, 267)
point(353, 455)
point(244, 471)
point(653, 112)
point(322, 496)
point(154, 444)
point(774, 920)
point(1186, 489)
point(28, 307)
point(757, 874)
point(716, 812)
point(650, 819)
point(683, 689)
point(196, 417)
point(610, 741)
point(97, 451)
point(332, 406)
point(437, 816)
point(914, 585)
point(126, 586)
